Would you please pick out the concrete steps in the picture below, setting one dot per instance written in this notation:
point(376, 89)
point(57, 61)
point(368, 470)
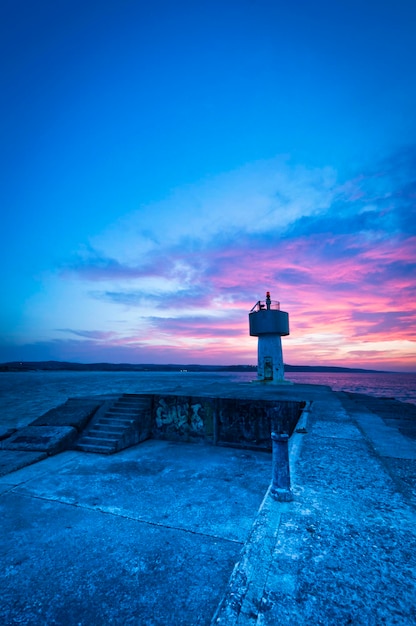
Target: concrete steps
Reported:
point(118, 425)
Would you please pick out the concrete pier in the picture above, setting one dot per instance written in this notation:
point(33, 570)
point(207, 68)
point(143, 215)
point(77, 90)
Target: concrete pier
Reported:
point(175, 533)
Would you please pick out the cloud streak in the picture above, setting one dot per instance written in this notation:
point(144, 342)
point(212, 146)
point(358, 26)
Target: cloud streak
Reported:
point(181, 275)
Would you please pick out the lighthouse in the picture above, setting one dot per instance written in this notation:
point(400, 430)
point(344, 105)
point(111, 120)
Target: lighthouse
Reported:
point(269, 324)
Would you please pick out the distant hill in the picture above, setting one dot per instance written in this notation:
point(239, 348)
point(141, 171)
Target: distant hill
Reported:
point(25, 366)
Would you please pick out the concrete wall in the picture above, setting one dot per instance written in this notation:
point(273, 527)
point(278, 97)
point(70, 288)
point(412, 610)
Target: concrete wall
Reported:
point(223, 421)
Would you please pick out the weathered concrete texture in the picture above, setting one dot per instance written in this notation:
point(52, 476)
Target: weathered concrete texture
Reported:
point(398, 415)
point(250, 422)
point(236, 421)
point(118, 424)
point(167, 483)
point(383, 423)
point(50, 439)
point(6, 432)
point(53, 432)
point(344, 551)
point(12, 460)
point(403, 473)
point(75, 412)
point(184, 418)
point(115, 571)
point(114, 424)
point(148, 536)
point(179, 417)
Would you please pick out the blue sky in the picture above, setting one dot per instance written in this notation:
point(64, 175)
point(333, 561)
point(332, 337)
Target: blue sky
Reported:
point(164, 164)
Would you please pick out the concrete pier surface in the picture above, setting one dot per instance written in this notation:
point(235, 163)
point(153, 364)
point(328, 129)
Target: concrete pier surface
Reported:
point(170, 533)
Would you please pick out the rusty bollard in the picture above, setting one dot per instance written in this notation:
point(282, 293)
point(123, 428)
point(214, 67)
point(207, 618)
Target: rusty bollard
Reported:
point(280, 489)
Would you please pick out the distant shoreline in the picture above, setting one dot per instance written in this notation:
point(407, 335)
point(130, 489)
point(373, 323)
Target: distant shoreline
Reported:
point(27, 366)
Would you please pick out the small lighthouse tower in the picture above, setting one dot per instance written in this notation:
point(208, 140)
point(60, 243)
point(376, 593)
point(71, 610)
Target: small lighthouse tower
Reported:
point(269, 324)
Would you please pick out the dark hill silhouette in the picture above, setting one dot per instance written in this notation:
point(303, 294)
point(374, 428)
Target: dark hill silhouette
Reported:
point(24, 366)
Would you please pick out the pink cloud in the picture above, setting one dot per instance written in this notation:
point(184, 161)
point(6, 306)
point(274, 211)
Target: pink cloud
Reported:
point(348, 274)
point(336, 285)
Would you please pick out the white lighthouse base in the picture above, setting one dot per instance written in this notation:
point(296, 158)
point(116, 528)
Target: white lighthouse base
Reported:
point(270, 368)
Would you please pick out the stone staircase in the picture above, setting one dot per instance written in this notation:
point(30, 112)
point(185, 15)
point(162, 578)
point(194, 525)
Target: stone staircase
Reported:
point(118, 424)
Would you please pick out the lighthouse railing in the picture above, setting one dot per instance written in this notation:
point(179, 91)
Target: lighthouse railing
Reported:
point(261, 306)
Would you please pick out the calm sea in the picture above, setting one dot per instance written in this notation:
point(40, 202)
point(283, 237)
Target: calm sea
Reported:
point(24, 396)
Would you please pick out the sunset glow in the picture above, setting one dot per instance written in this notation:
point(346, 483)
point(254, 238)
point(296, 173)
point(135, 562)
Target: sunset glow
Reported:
point(157, 185)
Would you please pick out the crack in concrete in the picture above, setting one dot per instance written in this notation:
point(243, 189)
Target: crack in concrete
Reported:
point(129, 517)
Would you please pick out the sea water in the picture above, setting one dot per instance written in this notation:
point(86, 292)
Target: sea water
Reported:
point(401, 386)
point(24, 396)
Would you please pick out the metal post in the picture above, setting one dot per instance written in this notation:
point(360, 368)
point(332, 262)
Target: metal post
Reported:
point(281, 472)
